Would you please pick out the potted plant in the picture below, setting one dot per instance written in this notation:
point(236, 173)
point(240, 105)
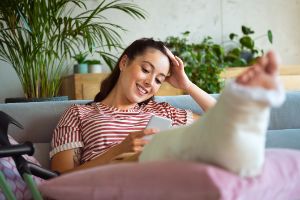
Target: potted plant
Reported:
point(81, 67)
point(203, 61)
point(38, 37)
point(94, 66)
point(242, 50)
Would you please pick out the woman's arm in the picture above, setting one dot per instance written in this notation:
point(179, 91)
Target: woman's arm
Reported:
point(203, 99)
point(132, 145)
point(195, 116)
point(67, 161)
point(180, 80)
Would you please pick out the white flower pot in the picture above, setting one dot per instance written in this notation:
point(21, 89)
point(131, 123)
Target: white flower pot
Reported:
point(95, 68)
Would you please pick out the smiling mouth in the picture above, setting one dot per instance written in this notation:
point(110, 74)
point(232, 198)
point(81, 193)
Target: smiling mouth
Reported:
point(141, 89)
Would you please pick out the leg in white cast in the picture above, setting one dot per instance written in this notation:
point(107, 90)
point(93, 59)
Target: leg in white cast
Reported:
point(232, 134)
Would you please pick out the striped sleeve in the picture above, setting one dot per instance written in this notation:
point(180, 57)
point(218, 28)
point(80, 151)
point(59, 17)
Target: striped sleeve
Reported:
point(178, 116)
point(67, 132)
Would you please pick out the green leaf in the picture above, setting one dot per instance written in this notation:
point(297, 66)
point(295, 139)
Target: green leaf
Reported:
point(81, 57)
point(247, 41)
point(186, 33)
point(232, 36)
point(236, 52)
point(270, 36)
point(93, 62)
point(247, 30)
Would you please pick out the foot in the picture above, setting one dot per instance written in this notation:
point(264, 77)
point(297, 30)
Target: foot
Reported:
point(262, 74)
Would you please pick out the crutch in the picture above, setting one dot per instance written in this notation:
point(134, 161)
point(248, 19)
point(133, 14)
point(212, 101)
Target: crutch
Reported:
point(25, 168)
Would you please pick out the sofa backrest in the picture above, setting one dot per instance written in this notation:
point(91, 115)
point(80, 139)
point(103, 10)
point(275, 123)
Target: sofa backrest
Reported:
point(285, 117)
point(40, 118)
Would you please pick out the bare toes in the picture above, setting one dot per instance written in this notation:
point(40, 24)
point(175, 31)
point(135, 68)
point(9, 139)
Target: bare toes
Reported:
point(251, 73)
point(262, 62)
point(242, 79)
point(248, 75)
point(274, 60)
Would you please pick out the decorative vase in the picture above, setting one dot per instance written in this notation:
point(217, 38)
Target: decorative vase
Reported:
point(81, 68)
point(247, 56)
point(95, 68)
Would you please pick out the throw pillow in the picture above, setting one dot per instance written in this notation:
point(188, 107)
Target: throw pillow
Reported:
point(11, 174)
point(280, 179)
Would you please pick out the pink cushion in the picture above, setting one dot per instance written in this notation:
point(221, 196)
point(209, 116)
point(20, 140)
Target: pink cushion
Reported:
point(13, 178)
point(280, 179)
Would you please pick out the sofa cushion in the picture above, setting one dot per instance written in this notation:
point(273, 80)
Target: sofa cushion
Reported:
point(286, 116)
point(41, 153)
point(286, 138)
point(280, 179)
point(13, 178)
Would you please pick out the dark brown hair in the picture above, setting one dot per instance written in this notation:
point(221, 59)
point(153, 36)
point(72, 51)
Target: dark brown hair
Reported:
point(138, 47)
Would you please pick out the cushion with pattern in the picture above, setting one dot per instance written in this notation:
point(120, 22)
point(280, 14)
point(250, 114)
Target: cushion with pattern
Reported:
point(13, 178)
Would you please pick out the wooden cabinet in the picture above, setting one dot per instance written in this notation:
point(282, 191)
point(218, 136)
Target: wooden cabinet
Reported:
point(289, 75)
point(86, 86)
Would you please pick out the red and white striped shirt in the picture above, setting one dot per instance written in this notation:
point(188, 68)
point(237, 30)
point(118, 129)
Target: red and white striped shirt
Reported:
point(97, 127)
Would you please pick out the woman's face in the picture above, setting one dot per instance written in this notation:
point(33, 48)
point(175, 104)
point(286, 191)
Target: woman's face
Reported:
point(141, 77)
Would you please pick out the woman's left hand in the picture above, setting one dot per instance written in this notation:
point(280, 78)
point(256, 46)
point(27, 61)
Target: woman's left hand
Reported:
point(178, 77)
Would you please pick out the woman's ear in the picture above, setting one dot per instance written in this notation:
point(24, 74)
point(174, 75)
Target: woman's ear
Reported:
point(123, 62)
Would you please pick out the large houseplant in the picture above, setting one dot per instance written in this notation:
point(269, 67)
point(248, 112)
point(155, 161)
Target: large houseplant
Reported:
point(206, 60)
point(37, 37)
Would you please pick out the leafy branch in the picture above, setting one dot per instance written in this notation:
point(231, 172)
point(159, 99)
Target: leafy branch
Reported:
point(38, 36)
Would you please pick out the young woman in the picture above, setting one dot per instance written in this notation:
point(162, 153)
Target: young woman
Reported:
point(91, 135)
point(113, 126)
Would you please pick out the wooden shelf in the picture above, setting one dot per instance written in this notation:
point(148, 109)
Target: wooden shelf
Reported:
point(289, 75)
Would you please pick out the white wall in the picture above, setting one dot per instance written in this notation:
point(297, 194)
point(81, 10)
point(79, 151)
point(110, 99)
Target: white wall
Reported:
point(216, 18)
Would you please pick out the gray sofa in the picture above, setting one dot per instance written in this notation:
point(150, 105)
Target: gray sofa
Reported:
point(39, 120)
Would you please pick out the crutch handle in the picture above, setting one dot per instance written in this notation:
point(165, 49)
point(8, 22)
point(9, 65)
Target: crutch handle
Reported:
point(17, 150)
point(41, 172)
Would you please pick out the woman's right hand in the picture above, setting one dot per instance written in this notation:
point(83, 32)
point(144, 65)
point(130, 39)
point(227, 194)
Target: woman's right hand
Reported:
point(135, 141)
point(132, 146)
point(178, 77)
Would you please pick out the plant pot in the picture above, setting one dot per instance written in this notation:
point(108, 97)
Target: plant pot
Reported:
point(81, 68)
point(24, 100)
point(95, 68)
point(247, 56)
